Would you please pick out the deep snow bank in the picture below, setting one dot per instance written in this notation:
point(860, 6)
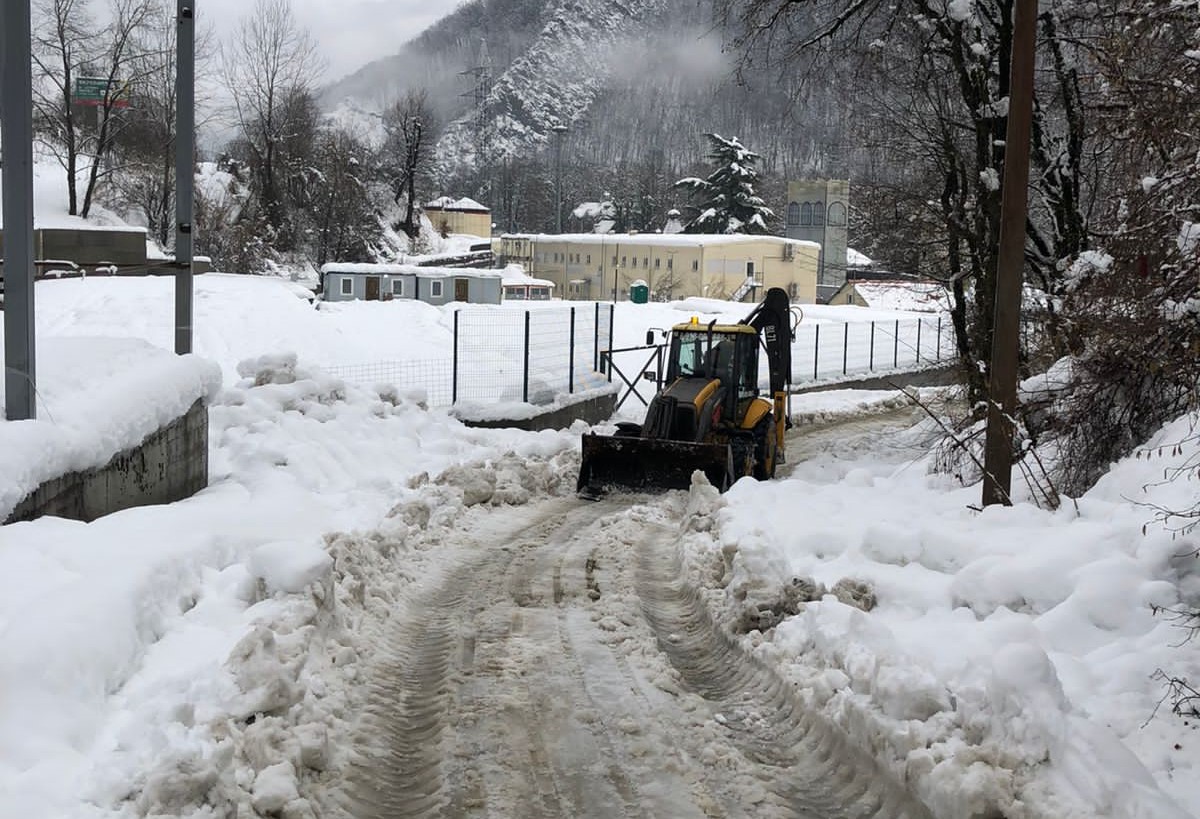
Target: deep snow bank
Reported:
point(1002, 661)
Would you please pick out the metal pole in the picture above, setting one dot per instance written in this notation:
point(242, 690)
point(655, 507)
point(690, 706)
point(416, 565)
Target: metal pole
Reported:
point(871, 366)
point(571, 357)
point(896, 346)
point(816, 349)
point(918, 341)
point(185, 149)
point(845, 344)
point(596, 341)
point(525, 379)
point(16, 130)
point(939, 339)
point(611, 316)
point(559, 130)
point(454, 365)
point(1002, 389)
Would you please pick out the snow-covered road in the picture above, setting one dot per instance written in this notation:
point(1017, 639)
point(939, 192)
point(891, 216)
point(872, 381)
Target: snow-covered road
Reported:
point(562, 665)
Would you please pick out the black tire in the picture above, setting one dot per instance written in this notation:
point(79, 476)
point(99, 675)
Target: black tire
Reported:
point(742, 446)
point(764, 448)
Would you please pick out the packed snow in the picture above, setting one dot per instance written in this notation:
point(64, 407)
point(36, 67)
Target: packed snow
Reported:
point(205, 657)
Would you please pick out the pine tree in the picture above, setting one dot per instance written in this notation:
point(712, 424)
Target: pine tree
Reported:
point(727, 201)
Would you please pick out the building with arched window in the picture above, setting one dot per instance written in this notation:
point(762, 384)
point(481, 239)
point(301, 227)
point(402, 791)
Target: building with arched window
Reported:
point(816, 212)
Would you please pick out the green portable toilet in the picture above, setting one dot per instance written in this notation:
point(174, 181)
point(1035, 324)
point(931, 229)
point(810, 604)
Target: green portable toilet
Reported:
point(639, 292)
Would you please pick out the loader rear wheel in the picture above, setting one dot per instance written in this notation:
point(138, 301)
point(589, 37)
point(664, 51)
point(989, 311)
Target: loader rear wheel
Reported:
point(764, 448)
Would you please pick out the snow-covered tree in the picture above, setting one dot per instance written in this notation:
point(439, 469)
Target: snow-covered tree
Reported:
point(726, 201)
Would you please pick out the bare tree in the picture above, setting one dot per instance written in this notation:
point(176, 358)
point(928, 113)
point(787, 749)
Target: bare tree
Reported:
point(407, 153)
point(66, 51)
point(270, 66)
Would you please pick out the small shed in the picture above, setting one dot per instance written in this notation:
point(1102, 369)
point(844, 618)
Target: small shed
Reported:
point(520, 286)
point(463, 216)
point(385, 282)
point(906, 295)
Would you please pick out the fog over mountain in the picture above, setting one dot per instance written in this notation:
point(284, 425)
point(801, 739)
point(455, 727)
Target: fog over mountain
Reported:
point(632, 80)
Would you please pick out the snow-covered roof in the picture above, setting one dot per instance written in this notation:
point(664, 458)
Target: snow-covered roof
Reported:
point(921, 297)
point(856, 259)
point(650, 239)
point(523, 279)
point(465, 204)
point(372, 269)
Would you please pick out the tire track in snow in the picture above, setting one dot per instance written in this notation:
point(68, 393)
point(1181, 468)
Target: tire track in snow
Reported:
point(820, 774)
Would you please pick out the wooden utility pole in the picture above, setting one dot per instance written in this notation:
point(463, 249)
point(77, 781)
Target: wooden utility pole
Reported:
point(1002, 389)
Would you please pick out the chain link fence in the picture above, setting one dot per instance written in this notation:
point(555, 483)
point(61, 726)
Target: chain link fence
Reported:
point(501, 356)
point(828, 350)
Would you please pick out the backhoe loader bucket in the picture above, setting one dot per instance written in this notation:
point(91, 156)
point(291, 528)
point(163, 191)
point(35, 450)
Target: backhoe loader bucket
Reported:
point(632, 464)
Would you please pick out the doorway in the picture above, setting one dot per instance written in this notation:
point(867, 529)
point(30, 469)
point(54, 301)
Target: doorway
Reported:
point(372, 288)
point(462, 289)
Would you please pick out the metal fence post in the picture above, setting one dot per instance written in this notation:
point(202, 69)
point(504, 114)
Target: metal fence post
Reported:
point(596, 341)
point(939, 339)
point(896, 346)
point(845, 345)
point(871, 366)
point(185, 159)
point(816, 349)
point(16, 123)
point(612, 311)
point(454, 366)
point(525, 389)
point(919, 323)
point(571, 357)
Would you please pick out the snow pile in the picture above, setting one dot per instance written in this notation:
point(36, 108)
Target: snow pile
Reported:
point(201, 653)
point(96, 397)
point(1002, 661)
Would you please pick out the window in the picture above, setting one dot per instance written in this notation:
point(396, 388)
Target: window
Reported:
point(623, 260)
point(819, 214)
point(837, 214)
point(793, 213)
point(695, 265)
point(397, 287)
point(539, 292)
point(657, 264)
point(806, 213)
point(435, 290)
point(645, 262)
point(793, 291)
point(589, 258)
point(614, 261)
point(347, 286)
point(670, 264)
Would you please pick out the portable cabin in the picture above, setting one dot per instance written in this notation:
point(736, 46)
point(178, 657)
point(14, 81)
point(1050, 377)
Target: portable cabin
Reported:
point(385, 282)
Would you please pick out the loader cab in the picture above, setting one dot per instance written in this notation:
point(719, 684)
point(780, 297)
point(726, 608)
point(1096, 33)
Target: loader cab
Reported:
point(728, 353)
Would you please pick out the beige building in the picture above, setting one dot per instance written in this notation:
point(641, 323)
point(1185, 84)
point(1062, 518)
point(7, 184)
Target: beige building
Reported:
point(675, 266)
point(459, 216)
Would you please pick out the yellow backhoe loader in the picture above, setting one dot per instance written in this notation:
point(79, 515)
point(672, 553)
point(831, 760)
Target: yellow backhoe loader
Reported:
point(709, 415)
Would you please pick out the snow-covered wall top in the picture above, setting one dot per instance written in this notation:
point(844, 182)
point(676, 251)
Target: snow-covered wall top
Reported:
point(96, 397)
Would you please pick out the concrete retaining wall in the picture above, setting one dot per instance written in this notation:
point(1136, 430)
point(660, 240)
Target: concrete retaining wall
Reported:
point(592, 410)
point(936, 377)
point(169, 465)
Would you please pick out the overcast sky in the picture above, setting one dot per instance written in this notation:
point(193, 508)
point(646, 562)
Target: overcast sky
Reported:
point(351, 33)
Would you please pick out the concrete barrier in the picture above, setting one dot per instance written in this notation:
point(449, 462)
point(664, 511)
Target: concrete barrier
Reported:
point(169, 465)
point(934, 377)
point(592, 410)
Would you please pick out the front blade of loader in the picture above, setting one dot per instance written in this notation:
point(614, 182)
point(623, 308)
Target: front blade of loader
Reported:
point(625, 463)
